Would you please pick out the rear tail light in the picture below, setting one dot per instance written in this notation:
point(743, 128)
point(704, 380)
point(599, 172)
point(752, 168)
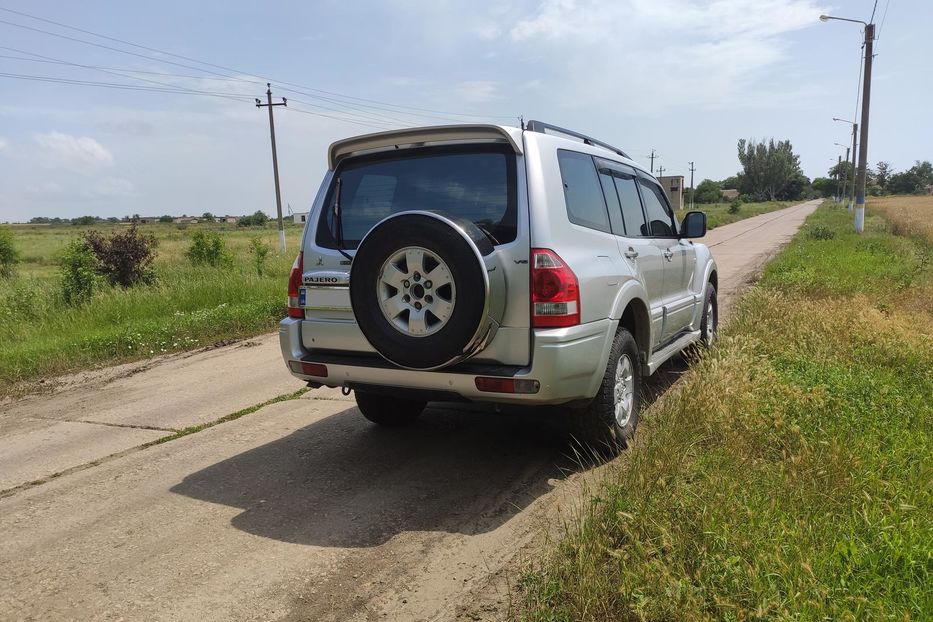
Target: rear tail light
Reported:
point(294, 287)
point(555, 292)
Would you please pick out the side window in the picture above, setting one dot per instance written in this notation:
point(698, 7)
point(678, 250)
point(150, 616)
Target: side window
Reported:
point(660, 220)
point(612, 202)
point(631, 208)
point(582, 192)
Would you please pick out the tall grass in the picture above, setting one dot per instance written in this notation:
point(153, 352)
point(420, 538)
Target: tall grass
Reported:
point(789, 475)
point(717, 214)
point(185, 308)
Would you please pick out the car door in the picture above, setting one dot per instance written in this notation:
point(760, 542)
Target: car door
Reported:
point(628, 221)
point(678, 302)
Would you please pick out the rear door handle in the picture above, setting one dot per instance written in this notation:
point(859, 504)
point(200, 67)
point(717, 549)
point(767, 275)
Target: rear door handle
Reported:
point(631, 253)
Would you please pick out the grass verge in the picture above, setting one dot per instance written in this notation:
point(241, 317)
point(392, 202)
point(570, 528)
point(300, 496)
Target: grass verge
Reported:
point(186, 308)
point(789, 476)
point(717, 214)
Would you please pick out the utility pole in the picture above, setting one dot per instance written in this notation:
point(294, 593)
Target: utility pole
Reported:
point(852, 190)
point(691, 184)
point(652, 157)
point(275, 159)
point(838, 171)
point(863, 143)
point(660, 171)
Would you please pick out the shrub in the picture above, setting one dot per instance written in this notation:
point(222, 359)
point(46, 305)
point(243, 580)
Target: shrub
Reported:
point(260, 251)
point(125, 258)
point(84, 221)
point(257, 219)
point(208, 247)
point(166, 218)
point(735, 206)
point(9, 256)
point(79, 270)
point(821, 232)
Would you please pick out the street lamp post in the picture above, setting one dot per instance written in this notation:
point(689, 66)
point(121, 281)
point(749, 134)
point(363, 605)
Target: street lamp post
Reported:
point(845, 180)
point(854, 133)
point(863, 143)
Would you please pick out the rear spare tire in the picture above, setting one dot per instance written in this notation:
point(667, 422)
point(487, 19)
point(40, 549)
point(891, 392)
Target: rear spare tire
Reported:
point(419, 290)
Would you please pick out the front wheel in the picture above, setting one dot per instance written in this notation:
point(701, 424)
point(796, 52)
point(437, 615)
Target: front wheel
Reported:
point(608, 423)
point(709, 324)
point(387, 410)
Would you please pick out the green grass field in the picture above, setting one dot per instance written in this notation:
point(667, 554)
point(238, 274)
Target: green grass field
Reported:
point(186, 308)
point(788, 475)
point(717, 214)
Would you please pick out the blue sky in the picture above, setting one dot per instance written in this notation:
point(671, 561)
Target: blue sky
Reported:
point(685, 77)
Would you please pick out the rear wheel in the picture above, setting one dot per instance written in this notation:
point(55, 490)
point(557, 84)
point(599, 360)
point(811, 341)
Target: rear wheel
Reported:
point(387, 410)
point(709, 325)
point(608, 423)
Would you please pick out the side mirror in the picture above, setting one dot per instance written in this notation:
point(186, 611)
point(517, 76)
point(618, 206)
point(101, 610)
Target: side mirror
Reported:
point(694, 225)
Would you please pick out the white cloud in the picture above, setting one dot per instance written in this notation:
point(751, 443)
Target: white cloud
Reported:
point(476, 91)
point(657, 54)
point(76, 153)
point(4, 143)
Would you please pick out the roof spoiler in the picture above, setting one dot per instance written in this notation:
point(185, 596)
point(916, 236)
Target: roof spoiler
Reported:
point(416, 135)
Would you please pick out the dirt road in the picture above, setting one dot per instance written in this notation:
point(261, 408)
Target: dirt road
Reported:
point(300, 510)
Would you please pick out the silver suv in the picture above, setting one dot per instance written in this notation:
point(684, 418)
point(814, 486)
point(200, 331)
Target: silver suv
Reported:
point(499, 264)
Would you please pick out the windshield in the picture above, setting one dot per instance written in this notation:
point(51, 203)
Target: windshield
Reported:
point(476, 182)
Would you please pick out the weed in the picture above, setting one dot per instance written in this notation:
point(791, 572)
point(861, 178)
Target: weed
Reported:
point(79, 272)
point(9, 255)
point(124, 258)
point(821, 232)
point(208, 248)
point(260, 251)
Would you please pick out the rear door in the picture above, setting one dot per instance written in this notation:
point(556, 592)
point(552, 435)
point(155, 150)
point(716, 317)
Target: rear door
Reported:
point(628, 223)
point(678, 302)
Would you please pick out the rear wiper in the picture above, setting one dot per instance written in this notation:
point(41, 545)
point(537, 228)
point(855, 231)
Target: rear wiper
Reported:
point(338, 220)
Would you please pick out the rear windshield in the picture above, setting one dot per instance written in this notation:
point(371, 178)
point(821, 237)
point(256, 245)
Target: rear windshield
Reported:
point(470, 181)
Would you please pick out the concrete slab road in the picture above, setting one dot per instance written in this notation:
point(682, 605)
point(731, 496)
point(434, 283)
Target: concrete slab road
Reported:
point(300, 510)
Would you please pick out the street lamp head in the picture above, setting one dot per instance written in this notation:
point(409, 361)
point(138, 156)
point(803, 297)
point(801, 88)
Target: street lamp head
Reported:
point(824, 18)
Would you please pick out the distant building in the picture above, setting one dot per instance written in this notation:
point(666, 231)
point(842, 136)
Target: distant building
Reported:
point(146, 220)
point(674, 189)
point(186, 220)
point(230, 219)
point(727, 195)
point(300, 218)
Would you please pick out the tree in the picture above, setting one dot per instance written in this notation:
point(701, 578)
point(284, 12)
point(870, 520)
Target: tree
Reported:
point(767, 167)
point(39, 220)
point(84, 220)
point(707, 192)
point(914, 180)
point(208, 217)
point(166, 218)
point(825, 186)
point(257, 219)
point(883, 172)
point(731, 183)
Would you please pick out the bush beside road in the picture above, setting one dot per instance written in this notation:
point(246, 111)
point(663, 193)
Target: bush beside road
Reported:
point(789, 476)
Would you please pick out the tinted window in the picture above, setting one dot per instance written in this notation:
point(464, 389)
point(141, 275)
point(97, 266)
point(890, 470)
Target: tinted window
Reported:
point(660, 221)
point(631, 207)
point(585, 204)
point(476, 183)
point(612, 202)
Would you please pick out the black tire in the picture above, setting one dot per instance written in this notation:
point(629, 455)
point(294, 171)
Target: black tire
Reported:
point(709, 326)
point(387, 410)
point(596, 426)
point(449, 344)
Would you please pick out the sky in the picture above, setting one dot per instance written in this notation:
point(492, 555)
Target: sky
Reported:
point(173, 129)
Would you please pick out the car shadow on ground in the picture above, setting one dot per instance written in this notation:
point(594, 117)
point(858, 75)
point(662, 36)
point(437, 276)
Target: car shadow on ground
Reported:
point(344, 482)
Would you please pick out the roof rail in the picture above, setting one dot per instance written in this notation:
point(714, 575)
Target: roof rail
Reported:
point(541, 128)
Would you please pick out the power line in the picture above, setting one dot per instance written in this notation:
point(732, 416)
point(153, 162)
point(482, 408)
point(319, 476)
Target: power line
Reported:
point(400, 108)
point(128, 87)
point(871, 20)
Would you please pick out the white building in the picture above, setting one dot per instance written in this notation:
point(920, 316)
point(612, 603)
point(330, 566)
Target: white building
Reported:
point(300, 217)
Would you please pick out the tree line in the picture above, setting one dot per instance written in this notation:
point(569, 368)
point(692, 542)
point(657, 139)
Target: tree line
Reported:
point(771, 172)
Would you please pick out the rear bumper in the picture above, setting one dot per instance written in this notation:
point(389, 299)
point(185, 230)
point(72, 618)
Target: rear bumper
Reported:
point(568, 364)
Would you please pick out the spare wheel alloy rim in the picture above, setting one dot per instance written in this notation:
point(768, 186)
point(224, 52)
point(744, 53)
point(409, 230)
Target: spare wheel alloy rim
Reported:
point(416, 291)
point(624, 390)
